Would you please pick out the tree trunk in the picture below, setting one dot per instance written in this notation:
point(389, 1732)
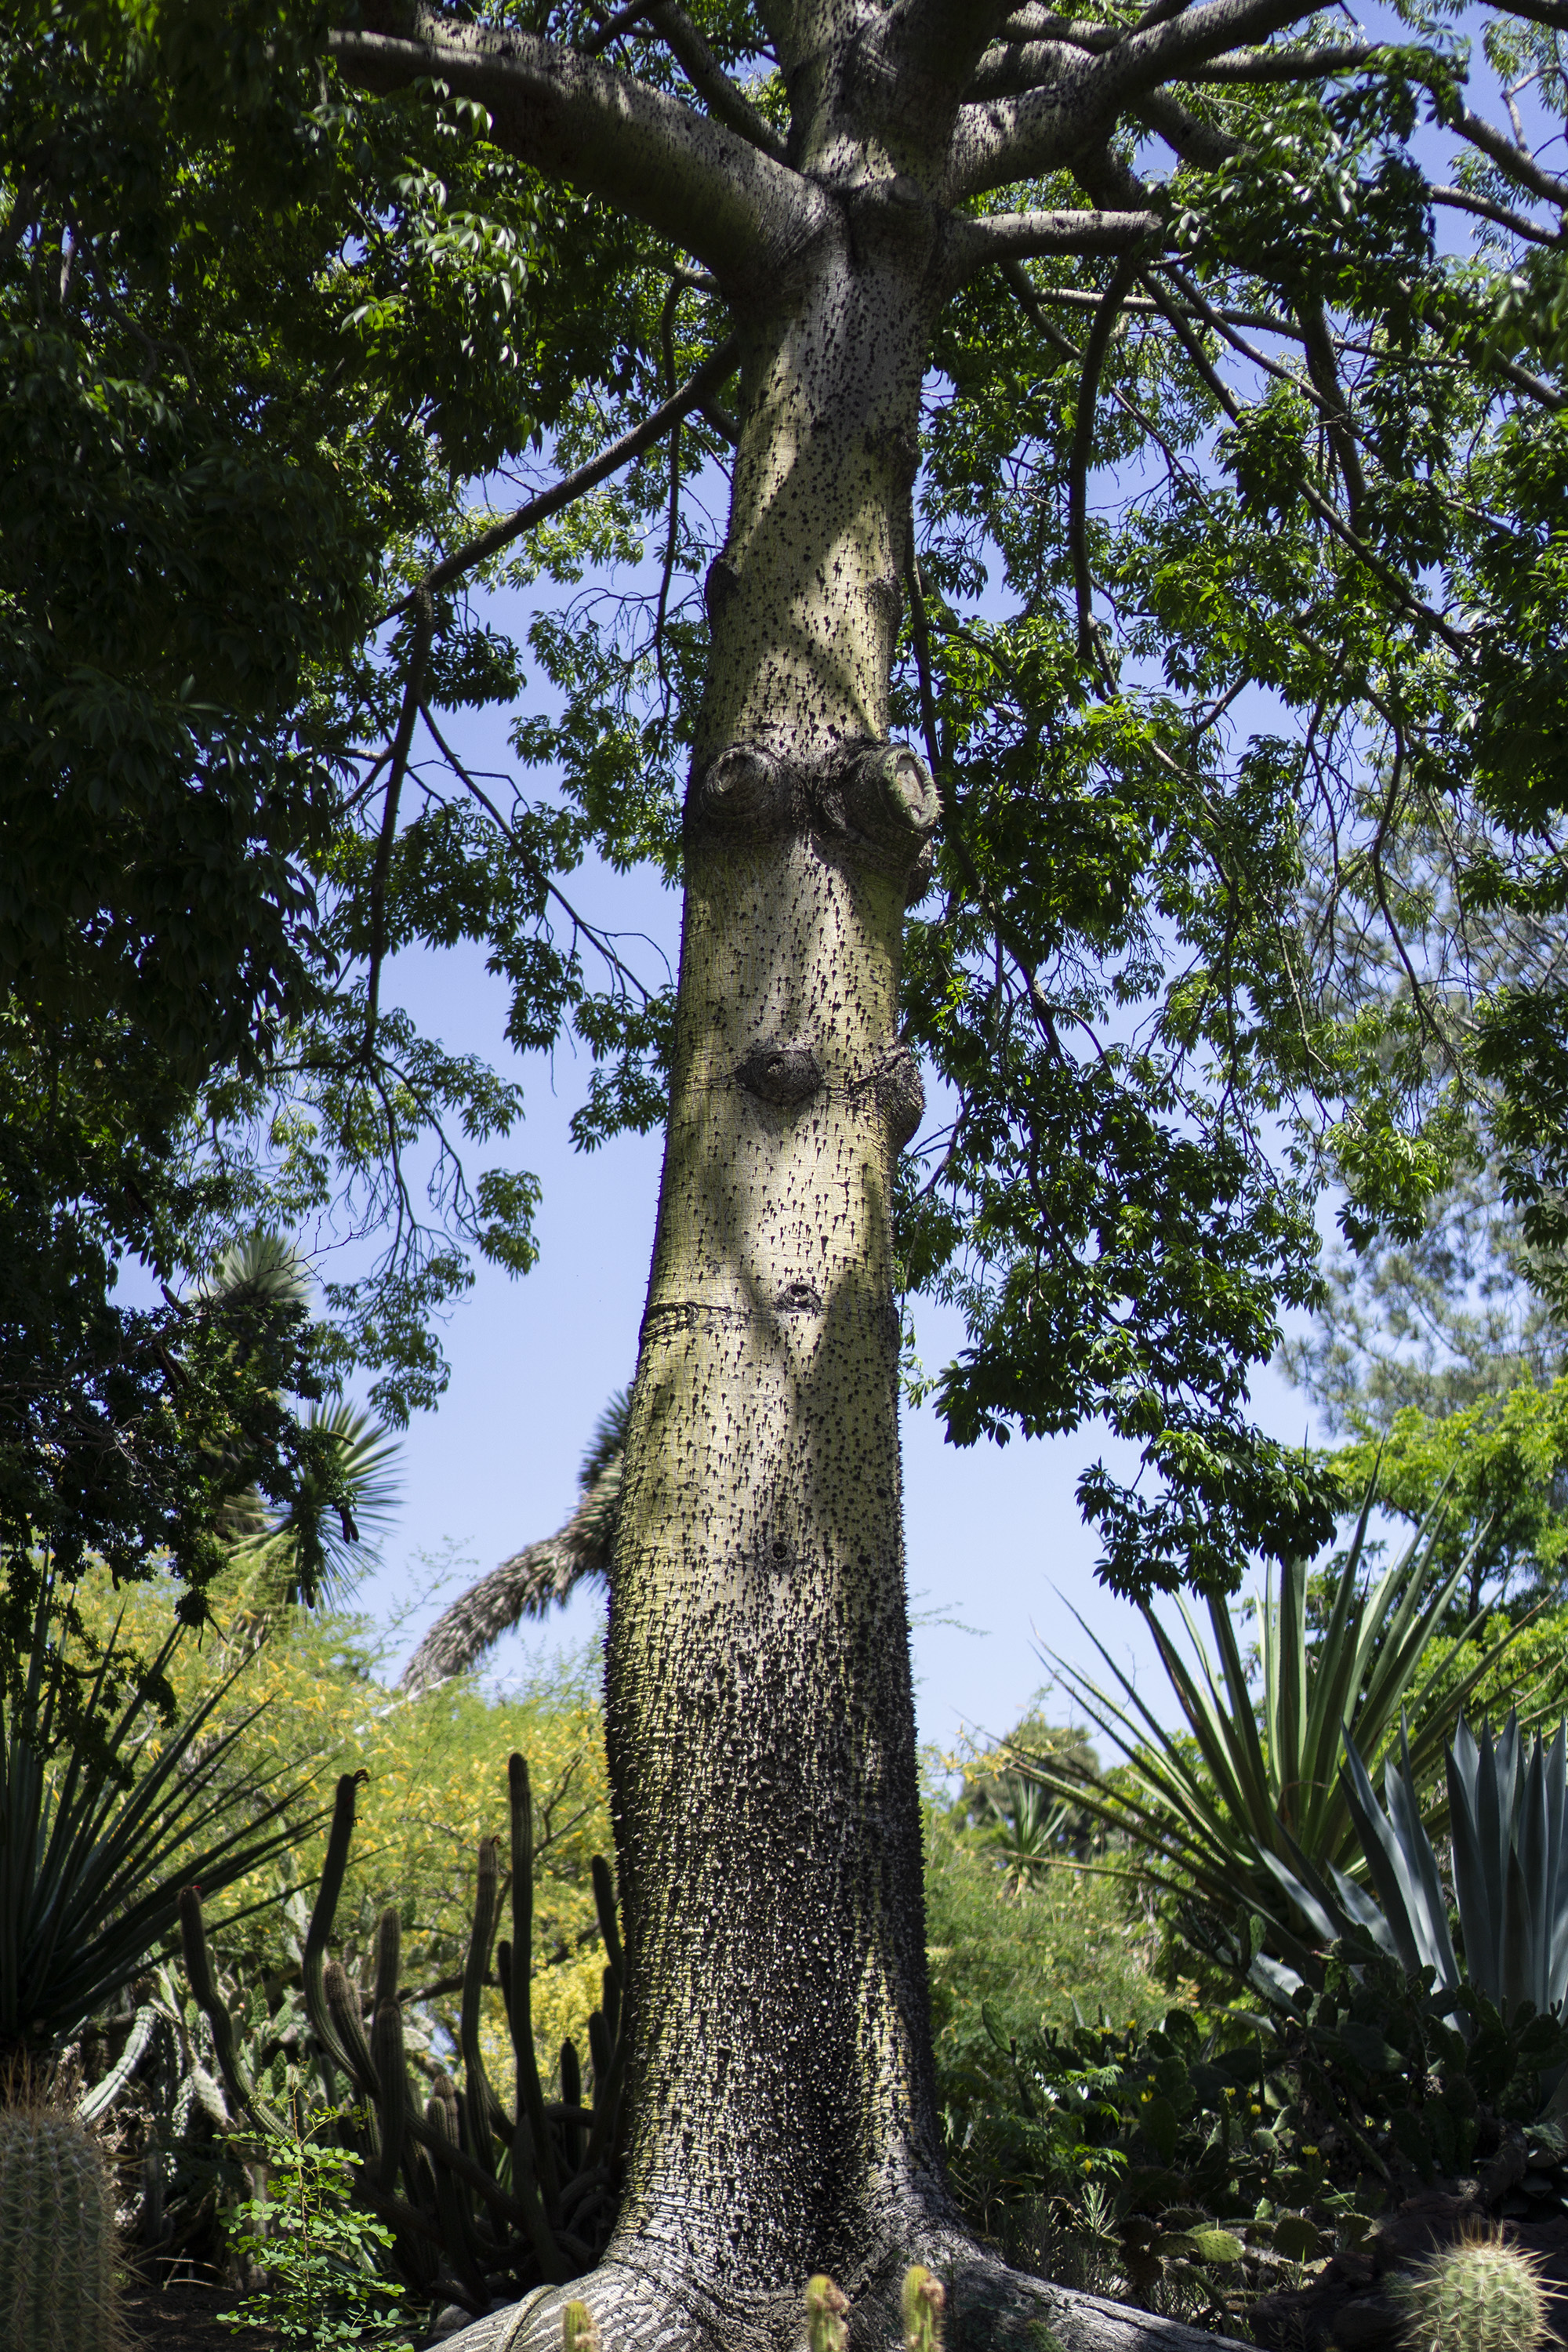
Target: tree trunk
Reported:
point(760, 1711)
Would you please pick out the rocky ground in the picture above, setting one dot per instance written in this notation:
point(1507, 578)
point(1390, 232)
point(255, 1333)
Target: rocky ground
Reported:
point(184, 2315)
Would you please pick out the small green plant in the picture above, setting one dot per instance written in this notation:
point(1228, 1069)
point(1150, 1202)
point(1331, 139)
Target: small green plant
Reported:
point(57, 2271)
point(922, 2301)
point(1479, 2294)
point(579, 2329)
point(317, 2249)
point(825, 2304)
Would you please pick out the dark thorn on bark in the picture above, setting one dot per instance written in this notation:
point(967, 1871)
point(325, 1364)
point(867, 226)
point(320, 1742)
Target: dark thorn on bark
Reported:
point(786, 1074)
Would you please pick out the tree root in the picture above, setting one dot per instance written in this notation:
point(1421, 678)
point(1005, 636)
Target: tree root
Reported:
point(990, 2308)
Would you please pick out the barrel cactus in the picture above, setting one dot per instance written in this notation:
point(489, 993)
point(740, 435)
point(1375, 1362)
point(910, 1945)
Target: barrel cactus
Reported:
point(1479, 2294)
point(579, 2330)
point(58, 2279)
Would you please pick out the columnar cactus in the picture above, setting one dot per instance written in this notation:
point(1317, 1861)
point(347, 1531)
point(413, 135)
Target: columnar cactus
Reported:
point(1479, 2294)
point(923, 2298)
point(825, 2305)
point(579, 2330)
point(58, 2275)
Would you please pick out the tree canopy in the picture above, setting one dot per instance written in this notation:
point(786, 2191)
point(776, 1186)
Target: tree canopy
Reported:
point(1233, 636)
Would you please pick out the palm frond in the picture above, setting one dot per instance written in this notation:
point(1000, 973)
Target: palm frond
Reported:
point(528, 1584)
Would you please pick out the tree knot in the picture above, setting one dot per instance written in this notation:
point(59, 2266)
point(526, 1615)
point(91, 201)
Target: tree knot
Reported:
point(880, 798)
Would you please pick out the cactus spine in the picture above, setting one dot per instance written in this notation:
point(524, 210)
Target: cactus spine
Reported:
point(825, 2305)
point(923, 2298)
point(579, 2331)
point(58, 2288)
point(1477, 2295)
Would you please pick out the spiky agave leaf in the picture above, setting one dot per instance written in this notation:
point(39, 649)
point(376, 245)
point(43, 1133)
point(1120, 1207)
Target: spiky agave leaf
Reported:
point(95, 1848)
point(1237, 1812)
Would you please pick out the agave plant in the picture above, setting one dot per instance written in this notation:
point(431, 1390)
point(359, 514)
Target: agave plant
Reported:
point(1209, 1814)
point(1508, 1825)
point(95, 1844)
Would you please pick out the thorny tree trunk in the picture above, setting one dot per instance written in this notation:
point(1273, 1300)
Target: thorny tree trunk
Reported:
point(760, 1708)
point(760, 1715)
point(760, 1711)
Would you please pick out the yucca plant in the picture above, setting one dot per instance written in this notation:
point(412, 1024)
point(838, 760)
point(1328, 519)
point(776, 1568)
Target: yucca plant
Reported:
point(1208, 1815)
point(96, 1845)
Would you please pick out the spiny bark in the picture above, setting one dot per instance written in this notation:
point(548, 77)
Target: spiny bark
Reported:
point(759, 1715)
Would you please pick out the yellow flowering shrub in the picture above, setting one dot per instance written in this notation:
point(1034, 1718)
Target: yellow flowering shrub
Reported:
point(437, 1769)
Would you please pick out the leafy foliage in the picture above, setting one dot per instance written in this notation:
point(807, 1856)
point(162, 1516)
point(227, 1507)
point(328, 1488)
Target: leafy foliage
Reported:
point(95, 1840)
point(316, 2247)
point(1212, 1816)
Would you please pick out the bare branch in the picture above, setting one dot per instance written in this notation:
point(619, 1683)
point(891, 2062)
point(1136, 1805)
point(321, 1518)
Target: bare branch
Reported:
point(693, 179)
point(692, 393)
point(614, 26)
point(1461, 200)
point(1008, 139)
point(1284, 65)
point(1318, 348)
point(1121, 282)
point(1024, 66)
point(1516, 161)
point(728, 103)
point(1186, 133)
point(972, 245)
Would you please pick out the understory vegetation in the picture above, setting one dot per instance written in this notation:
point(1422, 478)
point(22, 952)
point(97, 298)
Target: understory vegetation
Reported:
point(1123, 2111)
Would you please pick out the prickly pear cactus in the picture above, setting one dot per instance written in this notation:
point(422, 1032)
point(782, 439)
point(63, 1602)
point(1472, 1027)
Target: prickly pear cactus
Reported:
point(579, 2330)
point(1477, 2295)
point(825, 2305)
point(57, 2273)
point(923, 2298)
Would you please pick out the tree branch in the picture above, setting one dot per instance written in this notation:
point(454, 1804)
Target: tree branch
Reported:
point(1284, 65)
point(1512, 158)
point(1186, 133)
point(693, 179)
point(1010, 139)
point(1098, 342)
point(418, 655)
point(693, 393)
point(972, 245)
point(727, 103)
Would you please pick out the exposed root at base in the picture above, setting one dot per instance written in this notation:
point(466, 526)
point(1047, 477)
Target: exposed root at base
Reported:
point(990, 2308)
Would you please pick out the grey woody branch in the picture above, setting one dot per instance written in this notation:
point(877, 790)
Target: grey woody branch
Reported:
point(972, 245)
point(1283, 65)
point(693, 179)
point(1186, 133)
point(728, 101)
point(1465, 200)
point(1515, 160)
point(1005, 139)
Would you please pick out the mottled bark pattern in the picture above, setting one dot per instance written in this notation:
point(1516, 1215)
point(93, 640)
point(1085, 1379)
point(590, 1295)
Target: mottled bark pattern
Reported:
point(761, 1716)
point(760, 1711)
